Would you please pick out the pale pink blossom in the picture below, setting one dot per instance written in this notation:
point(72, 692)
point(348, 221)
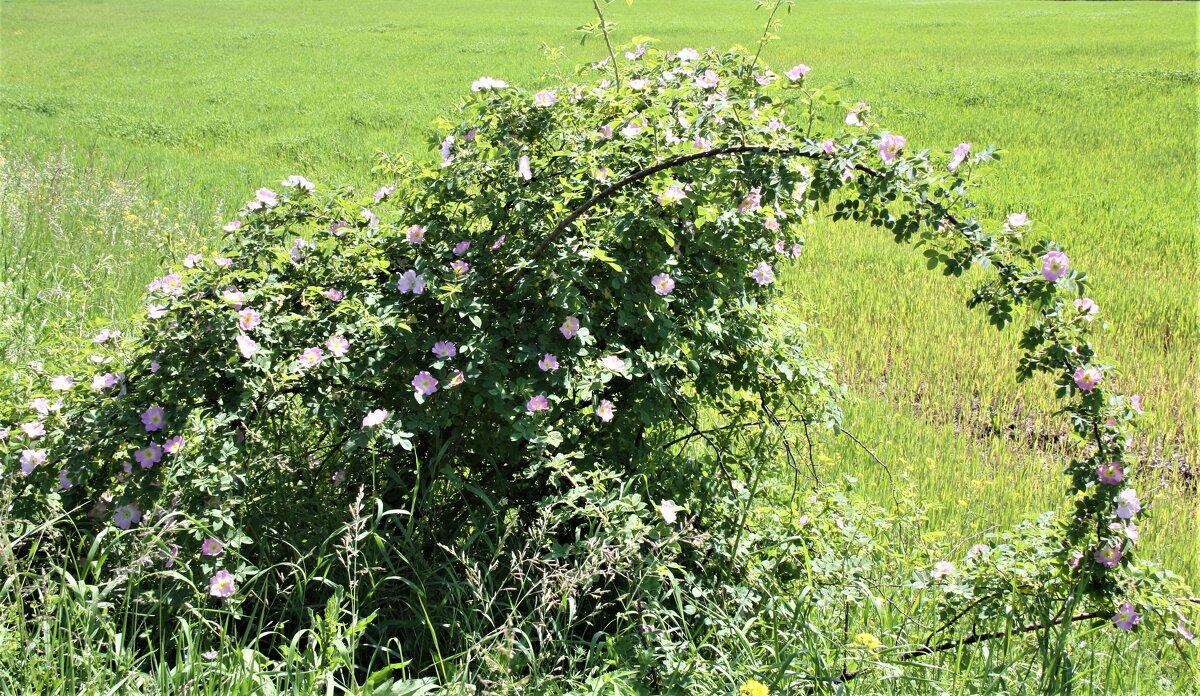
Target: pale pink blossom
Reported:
point(752, 201)
point(708, 80)
point(172, 285)
point(1110, 474)
point(221, 585)
point(31, 459)
point(1126, 617)
point(425, 383)
point(639, 83)
point(1088, 308)
point(460, 267)
point(828, 146)
point(672, 195)
point(297, 181)
point(222, 262)
point(1108, 556)
point(538, 403)
point(959, 155)
point(1055, 265)
point(154, 311)
point(192, 260)
point(409, 281)
point(211, 547)
point(613, 363)
point(687, 54)
point(461, 248)
point(333, 295)
point(338, 345)
point(246, 346)
point(62, 383)
point(605, 410)
point(232, 226)
point(487, 83)
point(523, 168)
point(311, 357)
point(126, 516)
point(1128, 504)
point(1016, 220)
point(415, 235)
point(663, 284)
point(383, 192)
point(668, 510)
point(797, 72)
point(173, 444)
point(374, 418)
point(763, 274)
point(569, 327)
point(266, 197)
point(1088, 378)
point(444, 349)
point(942, 569)
point(890, 146)
point(33, 430)
point(1135, 402)
point(154, 418)
point(149, 455)
point(548, 363)
point(854, 116)
point(764, 79)
point(545, 98)
point(249, 318)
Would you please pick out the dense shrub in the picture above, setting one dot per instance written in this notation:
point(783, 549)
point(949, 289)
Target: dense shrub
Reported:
point(554, 359)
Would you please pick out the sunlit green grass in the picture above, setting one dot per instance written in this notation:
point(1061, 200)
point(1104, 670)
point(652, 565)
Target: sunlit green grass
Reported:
point(197, 104)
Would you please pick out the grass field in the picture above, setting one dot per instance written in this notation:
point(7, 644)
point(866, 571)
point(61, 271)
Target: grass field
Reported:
point(130, 128)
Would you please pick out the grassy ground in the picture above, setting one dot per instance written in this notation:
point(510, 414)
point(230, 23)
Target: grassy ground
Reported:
point(170, 112)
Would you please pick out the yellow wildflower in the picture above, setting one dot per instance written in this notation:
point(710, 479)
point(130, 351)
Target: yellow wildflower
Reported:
point(868, 641)
point(754, 688)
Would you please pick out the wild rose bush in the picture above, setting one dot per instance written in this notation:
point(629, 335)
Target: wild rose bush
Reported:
point(585, 276)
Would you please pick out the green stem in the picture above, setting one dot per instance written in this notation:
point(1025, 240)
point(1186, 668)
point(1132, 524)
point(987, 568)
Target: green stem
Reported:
point(766, 34)
point(612, 56)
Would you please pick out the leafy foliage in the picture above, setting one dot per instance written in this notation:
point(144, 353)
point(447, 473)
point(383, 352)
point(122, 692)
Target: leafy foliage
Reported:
point(568, 317)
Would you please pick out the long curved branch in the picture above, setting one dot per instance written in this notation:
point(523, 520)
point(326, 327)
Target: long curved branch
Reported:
point(637, 176)
point(969, 640)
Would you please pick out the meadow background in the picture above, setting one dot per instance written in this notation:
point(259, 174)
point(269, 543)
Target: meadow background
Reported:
point(130, 130)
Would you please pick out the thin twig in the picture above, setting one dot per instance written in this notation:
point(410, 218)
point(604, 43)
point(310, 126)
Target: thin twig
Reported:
point(970, 640)
point(612, 55)
point(888, 471)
